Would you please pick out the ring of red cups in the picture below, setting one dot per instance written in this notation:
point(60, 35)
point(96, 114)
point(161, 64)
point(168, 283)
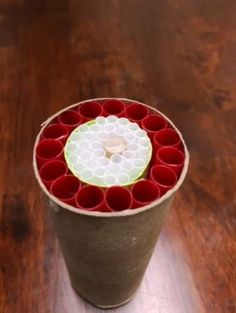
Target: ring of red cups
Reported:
point(164, 169)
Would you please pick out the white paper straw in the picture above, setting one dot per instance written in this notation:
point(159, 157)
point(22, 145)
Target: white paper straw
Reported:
point(99, 171)
point(128, 154)
point(95, 128)
point(75, 136)
point(104, 162)
point(116, 158)
point(132, 147)
point(123, 121)
point(99, 153)
point(73, 159)
point(102, 135)
point(86, 175)
point(71, 147)
point(100, 120)
point(123, 179)
point(110, 180)
point(112, 119)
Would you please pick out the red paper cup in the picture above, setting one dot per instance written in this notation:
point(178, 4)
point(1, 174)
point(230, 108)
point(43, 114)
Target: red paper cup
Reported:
point(144, 192)
point(90, 110)
point(114, 107)
point(49, 149)
point(153, 123)
point(65, 188)
point(172, 157)
point(91, 198)
point(118, 198)
point(51, 170)
point(56, 131)
point(164, 177)
point(136, 112)
point(166, 137)
point(70, 119)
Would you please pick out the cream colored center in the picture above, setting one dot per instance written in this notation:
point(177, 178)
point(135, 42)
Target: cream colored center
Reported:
point(114, 145)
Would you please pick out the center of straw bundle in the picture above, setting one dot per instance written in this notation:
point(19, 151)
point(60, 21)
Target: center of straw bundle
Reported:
point(114, 145)
point(108, 151)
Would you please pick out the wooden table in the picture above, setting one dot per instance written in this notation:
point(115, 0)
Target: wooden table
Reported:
point(176, 55)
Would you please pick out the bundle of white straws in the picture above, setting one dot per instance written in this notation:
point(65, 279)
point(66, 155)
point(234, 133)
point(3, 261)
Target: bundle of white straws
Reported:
point(108, 151)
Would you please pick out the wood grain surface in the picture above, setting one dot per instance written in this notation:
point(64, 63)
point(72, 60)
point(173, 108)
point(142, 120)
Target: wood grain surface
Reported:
point(179, 56)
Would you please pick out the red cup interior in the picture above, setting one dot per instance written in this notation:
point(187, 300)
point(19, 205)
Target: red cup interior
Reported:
point(136, 112)
point(164, 176)
point(69, 118)
point(170, 156)
point(145, 191)
point(90, 110)
point(52, 170)
point(167, 137)
point(90, 198)
point(113, 107)
point(118, 198)
point(49, 149)
point(55, 131)
point(65, 187)
point(153, 123)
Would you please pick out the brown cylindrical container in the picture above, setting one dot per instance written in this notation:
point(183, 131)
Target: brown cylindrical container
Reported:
point(106, 253)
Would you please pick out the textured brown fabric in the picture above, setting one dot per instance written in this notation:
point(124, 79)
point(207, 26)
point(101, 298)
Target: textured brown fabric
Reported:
point(106, 257)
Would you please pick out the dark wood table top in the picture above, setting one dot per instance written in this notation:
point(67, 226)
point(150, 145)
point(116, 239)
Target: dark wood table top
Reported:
point(176, 55)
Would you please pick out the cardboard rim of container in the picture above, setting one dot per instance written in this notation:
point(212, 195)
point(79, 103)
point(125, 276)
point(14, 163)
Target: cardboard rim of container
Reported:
point(128, 212)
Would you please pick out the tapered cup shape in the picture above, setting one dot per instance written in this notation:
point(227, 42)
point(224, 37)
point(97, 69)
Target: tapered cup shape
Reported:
point(90, 110)
point(48, 149)
point(91, 198)
point(65, 189)
point(153, 123)
point(114, 107)
point(136, 112)
point(118, 198)
point(166, 137)
point(164, 177)
point(56, 131)
point(51, 170)
point(144, 192)
point(70, 119)
point(172, 157)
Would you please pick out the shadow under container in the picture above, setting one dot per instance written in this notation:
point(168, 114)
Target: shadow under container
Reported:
point(106, 253)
